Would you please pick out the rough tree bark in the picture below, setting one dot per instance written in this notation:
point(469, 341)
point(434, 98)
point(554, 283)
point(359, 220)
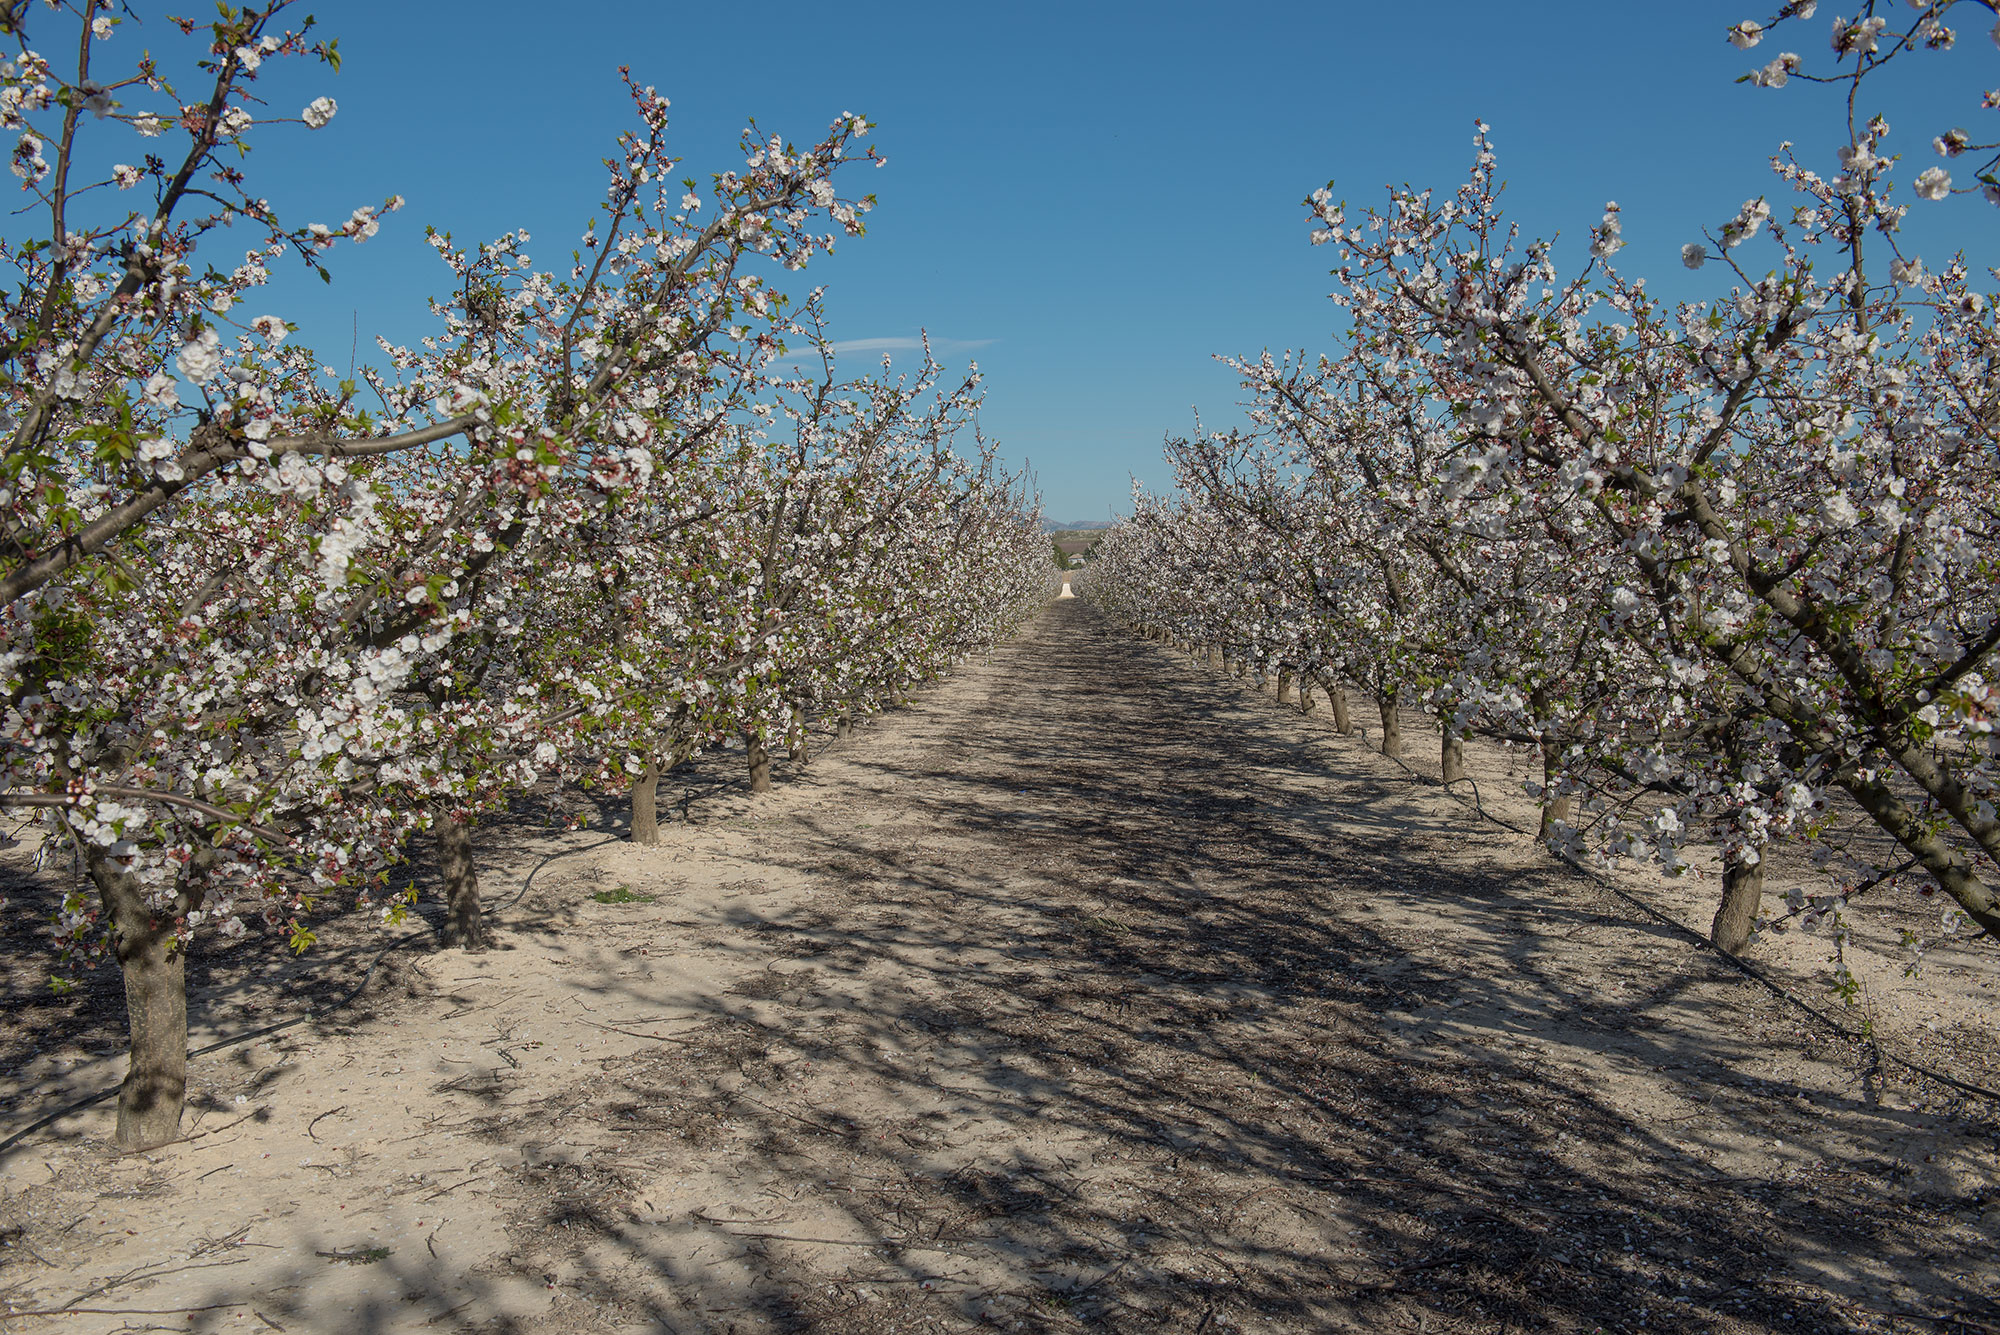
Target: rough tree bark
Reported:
point(1451, 756)
point(464, 922)
point(760, 763)
point(155, 1088)
point(1392, 726)
point(845, 729)
point(1306, 683)
point(1284, 686)
point(1742, 898)
point(1336, 696)
point(645, 804)
point(1554, 809)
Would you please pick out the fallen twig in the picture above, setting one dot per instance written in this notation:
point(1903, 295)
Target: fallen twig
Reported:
point(134, 1276)
point(634, 1033)
point(122, 1311)
point(707, 1218)
point(817, 1126)
point(321, 1118)
point(846, 1242)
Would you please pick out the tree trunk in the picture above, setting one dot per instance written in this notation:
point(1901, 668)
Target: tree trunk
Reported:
point(464, 924)
point(1553, 808)
point(1392, 727)
point(1742, 898)
point(799, 752)
point(1452, 754)
point(1284, 686)
point(760, 763)
point(645, 805)
point(1343, 722)
point(845, 729)
point(1215, 657)
point(155, 1088)
point(1306, 702)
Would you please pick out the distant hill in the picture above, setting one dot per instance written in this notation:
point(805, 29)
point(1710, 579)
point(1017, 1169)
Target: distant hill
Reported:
point(1051, 526)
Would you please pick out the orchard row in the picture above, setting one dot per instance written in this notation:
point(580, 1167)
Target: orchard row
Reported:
point(1732, 566)
point(265, 622)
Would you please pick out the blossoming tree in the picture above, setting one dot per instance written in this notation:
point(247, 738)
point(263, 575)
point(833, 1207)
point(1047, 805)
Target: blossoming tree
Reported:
point(1733, 556)
point(263, 623)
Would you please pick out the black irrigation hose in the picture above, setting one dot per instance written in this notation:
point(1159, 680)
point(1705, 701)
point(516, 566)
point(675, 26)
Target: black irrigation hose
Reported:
point(1757, 975)
point(368, 976)
point(1743, 966)
point(1476, 806)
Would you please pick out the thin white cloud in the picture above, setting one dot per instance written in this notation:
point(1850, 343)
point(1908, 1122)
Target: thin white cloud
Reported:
point(938, 345)
point(875, 345)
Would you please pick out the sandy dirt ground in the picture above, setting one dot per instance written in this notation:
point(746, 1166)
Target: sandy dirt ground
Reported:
point(1092, 991)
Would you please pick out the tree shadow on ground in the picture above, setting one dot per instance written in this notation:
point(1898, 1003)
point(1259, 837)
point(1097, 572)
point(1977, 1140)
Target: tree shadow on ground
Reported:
point(1130, 1018)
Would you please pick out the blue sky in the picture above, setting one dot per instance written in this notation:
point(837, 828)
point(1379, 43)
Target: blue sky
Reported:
point(1091, 199)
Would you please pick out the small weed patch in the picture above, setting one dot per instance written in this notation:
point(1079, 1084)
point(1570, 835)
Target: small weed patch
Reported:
point(624, 894)
point(357, 1256)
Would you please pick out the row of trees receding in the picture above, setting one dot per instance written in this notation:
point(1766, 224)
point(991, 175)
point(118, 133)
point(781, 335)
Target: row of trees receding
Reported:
point(1731, 566)
point(264, 622)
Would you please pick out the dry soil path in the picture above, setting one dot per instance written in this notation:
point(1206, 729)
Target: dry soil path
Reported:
point(1090, 992)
